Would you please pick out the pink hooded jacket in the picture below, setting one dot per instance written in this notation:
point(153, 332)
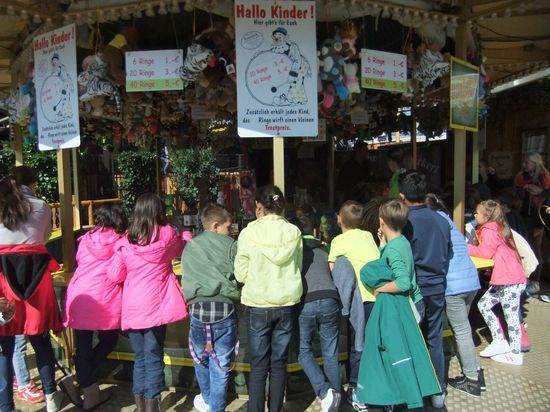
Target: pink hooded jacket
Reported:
point(93, 302)
point(151, 294)
point(507, 269)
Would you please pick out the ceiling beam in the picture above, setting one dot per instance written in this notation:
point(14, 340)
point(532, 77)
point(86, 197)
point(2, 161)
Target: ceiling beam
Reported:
point(509, 4)
point(19, 7)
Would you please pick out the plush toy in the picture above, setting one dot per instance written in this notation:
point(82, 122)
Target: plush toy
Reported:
point(113, 53)
point(222, 39)
point(430, 67)
point(197, 59)
point(348, 33)
point(350, 78)
point(94, 84)
point(331, 65)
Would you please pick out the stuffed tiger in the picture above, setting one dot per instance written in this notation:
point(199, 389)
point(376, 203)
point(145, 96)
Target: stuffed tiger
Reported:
point(93, 82)
point(196, 60)
point(430, 67)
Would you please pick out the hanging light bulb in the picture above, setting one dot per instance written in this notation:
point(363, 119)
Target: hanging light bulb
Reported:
point(78, 19)
point(10, 11)
point(149, 12)
point(48, 22)
point(189, 6)
point(24, 15)
point(113, 15)
point(175, 9)
point(507, 12)
point(137, 14)
point(90, 19)
point(386, 13)
point(162, 9)
point(36, 19)
point(101, 18)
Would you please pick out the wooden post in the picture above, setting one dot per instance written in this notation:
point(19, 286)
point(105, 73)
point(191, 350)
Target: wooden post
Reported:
point(158, 166)
point(475, 158)
point(460, 141)
point(413, 135)
point(279, 163)
point(66, 208)
point(76, 184)
point(330, 161)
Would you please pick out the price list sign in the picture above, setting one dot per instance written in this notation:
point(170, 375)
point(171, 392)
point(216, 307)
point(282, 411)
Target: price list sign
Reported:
point(383, 71)
point(153, 70)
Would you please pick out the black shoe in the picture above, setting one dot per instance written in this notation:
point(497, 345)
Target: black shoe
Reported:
point(481, 379)
point(465, 385)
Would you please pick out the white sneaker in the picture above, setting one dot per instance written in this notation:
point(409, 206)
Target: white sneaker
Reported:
point(509, 358)
point(54, 401)
point(438, 401)
point(199, 404)
point(497, 347)
point(331, 401)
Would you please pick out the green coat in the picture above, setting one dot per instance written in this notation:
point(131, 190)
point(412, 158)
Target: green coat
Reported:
point(395, 367)
point(207, 267)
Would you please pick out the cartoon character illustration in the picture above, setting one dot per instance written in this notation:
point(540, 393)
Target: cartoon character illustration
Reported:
point(57, 89)
point(295, 94)
point(276, 76)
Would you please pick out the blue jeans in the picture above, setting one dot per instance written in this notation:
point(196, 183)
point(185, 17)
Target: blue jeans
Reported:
point(458, 309)
point(322, 315)
point(89, 357)
point(212, 374)
point(431, 310)
point(354, 359)
point(45, 361)
point(148, 347)
point(19, 365)
point(269, 333)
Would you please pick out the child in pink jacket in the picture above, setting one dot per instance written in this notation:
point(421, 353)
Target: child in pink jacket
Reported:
point(93, 302)
point(507, 282)
point(151, 296)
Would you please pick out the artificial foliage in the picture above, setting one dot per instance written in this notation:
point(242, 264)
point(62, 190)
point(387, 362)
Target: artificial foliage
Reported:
point(138, 176)
point(195, 175)
point(7, 160)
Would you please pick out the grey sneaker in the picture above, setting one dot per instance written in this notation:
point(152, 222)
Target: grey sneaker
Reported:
point(331, 401)
point(533, 288)
point(465, 385)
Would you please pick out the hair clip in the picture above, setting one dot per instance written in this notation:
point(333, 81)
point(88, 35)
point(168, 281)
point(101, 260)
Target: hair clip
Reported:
point(275, 198)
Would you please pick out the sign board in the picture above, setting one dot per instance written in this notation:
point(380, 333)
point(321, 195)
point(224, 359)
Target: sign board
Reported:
point(464, 95)
point(56, 89)
point(153, 70)
point(277, 68)
point(383, 71)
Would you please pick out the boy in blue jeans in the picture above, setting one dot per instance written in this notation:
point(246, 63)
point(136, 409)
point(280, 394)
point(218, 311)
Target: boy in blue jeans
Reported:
point(211, 291)
point(319, 312)
point(430, 237)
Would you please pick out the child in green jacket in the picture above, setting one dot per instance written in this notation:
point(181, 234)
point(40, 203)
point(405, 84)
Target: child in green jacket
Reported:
point(211, 291)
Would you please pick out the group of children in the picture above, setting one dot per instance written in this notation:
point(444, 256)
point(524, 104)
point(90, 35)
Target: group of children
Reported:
point(281, 273)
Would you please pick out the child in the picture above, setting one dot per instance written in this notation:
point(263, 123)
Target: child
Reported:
point(151, 296)
point(430, 237)
point(93, 302)
point(462, 287)
point(269, 263)
point(211, 291)
point(358, 247)
point(319, 312)
point(507, 282)
point(395, 366)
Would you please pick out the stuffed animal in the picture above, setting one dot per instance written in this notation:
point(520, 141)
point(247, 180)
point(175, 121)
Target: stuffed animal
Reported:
point(197, 59)
point(348, 33)
point(113, 53)
point(350, 78)
point(94, 84)
point(430, 67)
point(331, 65)
point(222, 38)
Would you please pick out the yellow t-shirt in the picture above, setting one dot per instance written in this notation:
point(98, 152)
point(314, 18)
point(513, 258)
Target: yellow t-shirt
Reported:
point(358, 247)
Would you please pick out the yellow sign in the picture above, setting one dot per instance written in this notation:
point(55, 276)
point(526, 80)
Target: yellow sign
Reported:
point(464, 95)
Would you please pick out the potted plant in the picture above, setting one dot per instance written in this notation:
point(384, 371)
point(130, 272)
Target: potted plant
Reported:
point(195, 177)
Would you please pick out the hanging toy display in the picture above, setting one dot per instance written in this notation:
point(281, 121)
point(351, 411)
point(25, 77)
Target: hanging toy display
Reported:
point(94, 85)
point(331, 65)
point(197, 59)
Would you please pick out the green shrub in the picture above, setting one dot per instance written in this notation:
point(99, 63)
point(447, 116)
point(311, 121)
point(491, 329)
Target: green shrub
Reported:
point(138, 176)
point(7, 161)
point(195, 174)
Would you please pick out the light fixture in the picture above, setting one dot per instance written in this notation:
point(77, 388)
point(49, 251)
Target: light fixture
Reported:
point(189, 6)
point(24, 15)
point(48, 22)
point(113, 16)
point(386, 12)
point(101, 18)
point(36, 19)
point(175, 9)
point(10, 11)
point(162, 9)
point(137, 14)
point(149, 12)
point(90, 19)
point(521, 80)
point(507, 12)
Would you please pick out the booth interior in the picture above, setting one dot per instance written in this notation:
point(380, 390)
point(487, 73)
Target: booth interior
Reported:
point(184, 143)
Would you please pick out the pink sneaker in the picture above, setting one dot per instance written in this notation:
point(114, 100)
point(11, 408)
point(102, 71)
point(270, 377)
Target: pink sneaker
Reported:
point(30, 393)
